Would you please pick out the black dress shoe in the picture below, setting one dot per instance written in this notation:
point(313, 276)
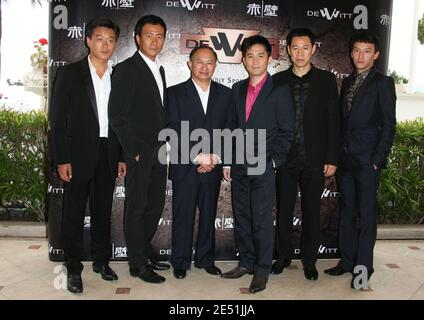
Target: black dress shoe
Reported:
point(235, 273)
point(311, 273)
point(258, 284)
point(211, 270)
point(147, 275)
point(74, 284)
point(180, 273)
point(107, 273)
point(338, 270)
point(279, 266)
point(158, 266)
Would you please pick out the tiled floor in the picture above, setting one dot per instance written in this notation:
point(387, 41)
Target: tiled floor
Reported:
point(26, 273)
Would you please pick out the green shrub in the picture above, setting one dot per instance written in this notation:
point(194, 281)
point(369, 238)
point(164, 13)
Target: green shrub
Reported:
point(23, 146)
point(397, 78)
point(401, 193)
point(23, 163)
point(420, 34)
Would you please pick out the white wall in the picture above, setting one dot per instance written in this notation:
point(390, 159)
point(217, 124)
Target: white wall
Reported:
point(22, 24)
point(409, 107)
point(401, 42)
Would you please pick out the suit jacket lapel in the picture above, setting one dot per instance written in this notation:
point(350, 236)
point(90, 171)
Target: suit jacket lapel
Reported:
point(193, 95)
point(311, 91)
point(265, 91)
point(241, 108)
point(151, 79)
point(88, 83)
point(213, 96)
point(362, 89)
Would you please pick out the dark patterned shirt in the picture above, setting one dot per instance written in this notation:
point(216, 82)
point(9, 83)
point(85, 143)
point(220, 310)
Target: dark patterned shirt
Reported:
point(357, 81)
point(300, 90)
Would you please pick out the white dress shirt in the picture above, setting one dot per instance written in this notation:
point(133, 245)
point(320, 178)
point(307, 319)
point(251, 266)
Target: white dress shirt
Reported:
point(203, 95)
point(154, 67)
point(102, 91)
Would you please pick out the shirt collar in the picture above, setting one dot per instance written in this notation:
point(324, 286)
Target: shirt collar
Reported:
point(260, 84)
point(199, 88)
point(149, 62)
point(305, 76)
point(93, 68)
point(363, 74)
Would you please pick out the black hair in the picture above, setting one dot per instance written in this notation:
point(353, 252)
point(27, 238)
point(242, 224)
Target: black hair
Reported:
point(101, 22)
point(151, 19)
point(365, 37)
point(300, 32)
point(251, 41)
point(195, 49)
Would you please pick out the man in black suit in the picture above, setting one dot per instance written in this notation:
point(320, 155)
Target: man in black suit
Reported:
point(201, 104)
point(368, 102)
point(137, 115)
point(86, 152)
point(313, 154)
point(266, 109)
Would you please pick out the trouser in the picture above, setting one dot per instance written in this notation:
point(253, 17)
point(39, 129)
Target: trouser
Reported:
point(99, 191)
point(358, 216)
point(186, 197)
point(311, 181)
point(145, 186)
point(253, 200)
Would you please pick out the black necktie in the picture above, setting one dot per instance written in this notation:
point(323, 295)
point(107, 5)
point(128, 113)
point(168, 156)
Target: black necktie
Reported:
point(162, 74)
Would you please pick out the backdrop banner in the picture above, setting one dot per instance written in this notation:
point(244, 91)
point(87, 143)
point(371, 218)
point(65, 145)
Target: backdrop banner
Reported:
point(222, 25)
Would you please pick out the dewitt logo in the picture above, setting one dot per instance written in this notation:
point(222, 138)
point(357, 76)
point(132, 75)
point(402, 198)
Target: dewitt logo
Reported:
point(51, 189)
point(190, 5)
point(338, 74)
point(163, 222)
point(359, 15)
point(335, 14)
point(323, 249)
point(297, 221)
point(326, 193)
point(226, 42)
point(55, 63)
point(330, 194)
point(55, 251)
